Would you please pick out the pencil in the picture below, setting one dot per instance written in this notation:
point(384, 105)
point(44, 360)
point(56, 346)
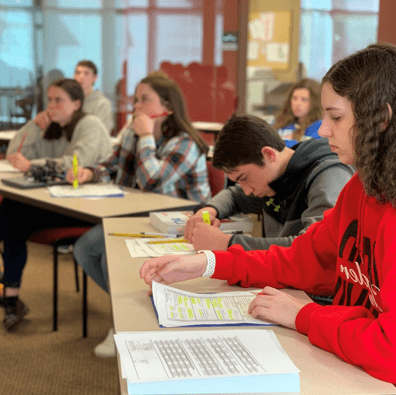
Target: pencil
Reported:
point(173, 235)
point(134, 235)
point(22, 141)
point(160, 115)
point(152, 116)
point(168, 241)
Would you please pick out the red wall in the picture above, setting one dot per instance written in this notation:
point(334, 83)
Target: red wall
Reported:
point(386, 22)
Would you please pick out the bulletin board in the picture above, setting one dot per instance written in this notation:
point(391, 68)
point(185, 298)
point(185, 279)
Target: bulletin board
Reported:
point(269, 39)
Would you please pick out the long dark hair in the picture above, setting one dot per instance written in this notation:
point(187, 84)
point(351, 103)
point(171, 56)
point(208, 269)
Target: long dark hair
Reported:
point(368, 80)
point(286, 117)
point(172, 97)
point(75, 92)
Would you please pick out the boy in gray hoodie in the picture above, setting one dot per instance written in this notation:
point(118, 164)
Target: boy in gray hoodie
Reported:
point(290, 187)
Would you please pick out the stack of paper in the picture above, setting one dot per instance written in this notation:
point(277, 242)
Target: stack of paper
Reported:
point(87, 190)
point(175, 307)
point(206, 362)
point(175, 221)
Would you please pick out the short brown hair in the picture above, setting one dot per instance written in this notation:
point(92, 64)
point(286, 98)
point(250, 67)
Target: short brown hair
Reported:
point(88, 63)
point(241, 140)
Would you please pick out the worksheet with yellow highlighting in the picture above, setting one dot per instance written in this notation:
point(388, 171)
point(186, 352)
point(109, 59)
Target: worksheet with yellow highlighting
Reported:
point(140, 248)
point(181, 308)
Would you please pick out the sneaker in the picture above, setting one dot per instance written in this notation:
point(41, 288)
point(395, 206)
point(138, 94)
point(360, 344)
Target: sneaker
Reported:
point(15, 310)
point(65, 249)
point(107, 348)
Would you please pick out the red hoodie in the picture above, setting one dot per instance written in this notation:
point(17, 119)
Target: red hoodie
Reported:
point(351, 253)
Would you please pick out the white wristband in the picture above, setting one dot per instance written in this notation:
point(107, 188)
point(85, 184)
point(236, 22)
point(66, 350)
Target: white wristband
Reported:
point(211, 265)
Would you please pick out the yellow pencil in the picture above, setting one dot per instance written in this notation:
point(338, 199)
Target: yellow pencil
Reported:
point(168, 241)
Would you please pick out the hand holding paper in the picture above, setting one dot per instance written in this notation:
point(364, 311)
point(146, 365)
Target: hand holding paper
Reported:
point(276, 306)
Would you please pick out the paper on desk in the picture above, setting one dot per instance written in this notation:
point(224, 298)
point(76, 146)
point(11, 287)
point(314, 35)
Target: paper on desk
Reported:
point(181, 308)
point(139, 248)
point(213, 356)
point(87, 190)
point(6, 166)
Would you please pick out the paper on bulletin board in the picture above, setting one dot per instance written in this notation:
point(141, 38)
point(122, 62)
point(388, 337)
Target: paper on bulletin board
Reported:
point(262, 28)
point(253, 50)
point(277, 52)
point(269, 39)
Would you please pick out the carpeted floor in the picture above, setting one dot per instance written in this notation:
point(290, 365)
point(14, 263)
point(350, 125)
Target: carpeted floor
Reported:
point(35, 360)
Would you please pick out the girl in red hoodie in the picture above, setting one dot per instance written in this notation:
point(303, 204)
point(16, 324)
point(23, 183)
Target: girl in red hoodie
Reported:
point(351, 253)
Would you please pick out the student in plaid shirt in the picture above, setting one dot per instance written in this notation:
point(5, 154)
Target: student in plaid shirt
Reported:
point(159, 152)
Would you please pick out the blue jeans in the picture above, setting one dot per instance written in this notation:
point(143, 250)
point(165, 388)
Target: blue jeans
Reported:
point(89, 251)
point(17, 222)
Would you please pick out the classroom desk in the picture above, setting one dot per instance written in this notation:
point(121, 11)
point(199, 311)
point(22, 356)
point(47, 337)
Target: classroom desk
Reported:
point(7, 135)
point(134, 203)
point(208, 127)
point(321, 372)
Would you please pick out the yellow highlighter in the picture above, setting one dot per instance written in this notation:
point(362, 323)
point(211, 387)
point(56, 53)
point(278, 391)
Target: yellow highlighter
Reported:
point(206, 217)
point(75, 171)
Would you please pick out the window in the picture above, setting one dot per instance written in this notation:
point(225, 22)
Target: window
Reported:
point(126, 39)
point(333, 29)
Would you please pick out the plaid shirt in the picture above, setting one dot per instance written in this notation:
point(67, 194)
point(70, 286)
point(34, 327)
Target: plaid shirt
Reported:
point(175, 168)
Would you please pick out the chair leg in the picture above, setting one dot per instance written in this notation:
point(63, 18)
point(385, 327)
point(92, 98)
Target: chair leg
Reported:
point(55, 294)
point(85, 305)
point(76, 275)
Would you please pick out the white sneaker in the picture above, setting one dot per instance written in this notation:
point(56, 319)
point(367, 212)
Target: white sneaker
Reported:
point(65, 249)
point(107, 348)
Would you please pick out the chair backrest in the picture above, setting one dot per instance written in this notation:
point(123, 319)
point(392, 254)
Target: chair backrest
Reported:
point(217, 178)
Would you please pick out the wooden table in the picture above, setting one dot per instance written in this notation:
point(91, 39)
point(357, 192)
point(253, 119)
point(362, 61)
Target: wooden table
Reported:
point(321, 372)
point(134, 203)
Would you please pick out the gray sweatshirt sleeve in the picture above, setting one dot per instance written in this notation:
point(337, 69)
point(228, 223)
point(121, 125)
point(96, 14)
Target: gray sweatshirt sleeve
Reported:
point(324, 188)
point(30, 147)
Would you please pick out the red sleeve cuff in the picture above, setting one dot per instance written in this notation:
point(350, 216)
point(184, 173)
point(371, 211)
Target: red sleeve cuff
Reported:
point(224, 268)
point(303, 319)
